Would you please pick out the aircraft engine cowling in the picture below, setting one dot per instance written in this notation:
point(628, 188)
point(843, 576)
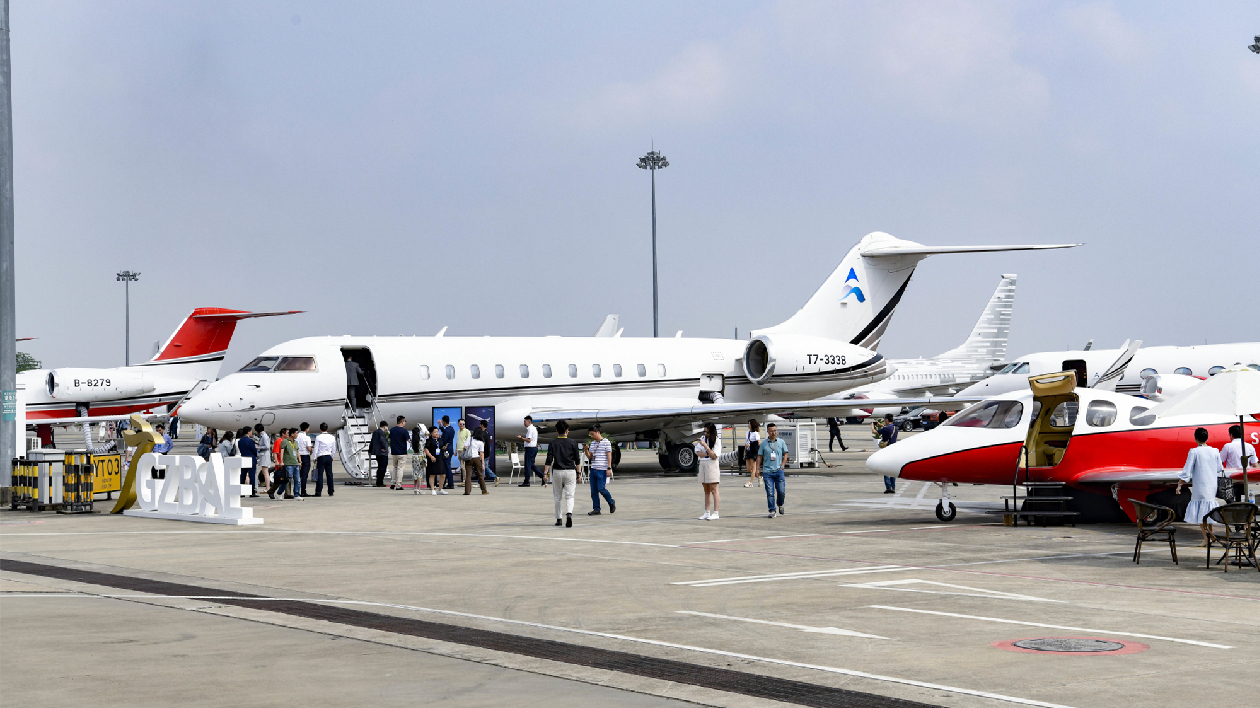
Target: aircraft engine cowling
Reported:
point(93, 385)
point(1161, 387)
point(797, 364)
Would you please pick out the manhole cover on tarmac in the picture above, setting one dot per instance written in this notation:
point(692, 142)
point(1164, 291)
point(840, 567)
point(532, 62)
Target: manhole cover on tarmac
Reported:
point(1068, 644)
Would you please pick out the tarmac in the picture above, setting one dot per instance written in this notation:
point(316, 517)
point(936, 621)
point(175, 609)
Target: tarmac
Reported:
point(853, 598)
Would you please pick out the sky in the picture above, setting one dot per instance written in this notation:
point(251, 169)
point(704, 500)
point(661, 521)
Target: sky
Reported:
point(394, 168)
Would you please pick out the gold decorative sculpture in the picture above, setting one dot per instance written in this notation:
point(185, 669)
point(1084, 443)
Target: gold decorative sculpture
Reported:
point(139, 435)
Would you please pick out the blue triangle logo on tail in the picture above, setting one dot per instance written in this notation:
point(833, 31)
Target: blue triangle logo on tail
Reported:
point(852, 275)
point(853, 289)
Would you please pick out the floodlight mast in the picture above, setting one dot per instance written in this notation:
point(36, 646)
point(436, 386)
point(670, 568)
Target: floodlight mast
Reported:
point(8, 310)
point(654, 161)
point(127, 278)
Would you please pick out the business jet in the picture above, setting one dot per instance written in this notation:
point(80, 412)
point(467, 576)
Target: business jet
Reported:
point(189, 358)
point(1182, 367)
point(1101, 444)
point(635, 388)
point(977, 358)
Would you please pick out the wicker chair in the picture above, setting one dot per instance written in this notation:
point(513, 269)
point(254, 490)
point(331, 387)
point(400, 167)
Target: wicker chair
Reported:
point(1154, 523)
point(1238, 521)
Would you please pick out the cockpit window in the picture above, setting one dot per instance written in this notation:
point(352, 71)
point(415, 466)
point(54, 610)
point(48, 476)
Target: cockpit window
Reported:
point(262, 363)
point(989, 414)
point(1019, 367)
point(297, 363)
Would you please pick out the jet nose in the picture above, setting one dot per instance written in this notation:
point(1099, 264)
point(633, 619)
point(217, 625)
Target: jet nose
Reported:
point(890, 460)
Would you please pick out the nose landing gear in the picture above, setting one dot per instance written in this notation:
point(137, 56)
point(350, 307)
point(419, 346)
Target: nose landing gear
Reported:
point(945, 509)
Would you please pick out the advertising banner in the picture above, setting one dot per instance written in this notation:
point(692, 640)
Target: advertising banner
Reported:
point(473, 415)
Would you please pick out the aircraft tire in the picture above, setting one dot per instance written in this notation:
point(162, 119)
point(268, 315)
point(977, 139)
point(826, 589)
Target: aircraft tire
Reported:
point(683, 457)
point(616, 455)
point(945, 516)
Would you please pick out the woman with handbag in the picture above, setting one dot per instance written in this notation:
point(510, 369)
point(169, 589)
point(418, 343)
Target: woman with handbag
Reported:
point(1203, 469)
point(474, 456)
point(752, 452)
point(206, 446)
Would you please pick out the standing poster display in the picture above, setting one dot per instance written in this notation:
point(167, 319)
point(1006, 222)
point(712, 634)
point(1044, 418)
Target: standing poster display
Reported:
point(473, 415)
point(454, 414)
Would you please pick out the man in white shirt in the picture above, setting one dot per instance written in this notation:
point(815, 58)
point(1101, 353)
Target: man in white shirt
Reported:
point(304, 453)
point(531, 452)
point(1232, 452)
point(324, 449)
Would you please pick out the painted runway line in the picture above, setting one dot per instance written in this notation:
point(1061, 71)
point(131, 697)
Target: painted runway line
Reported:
point(801, 627)
point(653, 642)
point(898, 586)
point(1053, 626)
point(800, 575)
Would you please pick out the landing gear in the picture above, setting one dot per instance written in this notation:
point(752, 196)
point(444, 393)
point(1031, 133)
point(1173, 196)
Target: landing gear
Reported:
point(945, 509)
point(616, 454)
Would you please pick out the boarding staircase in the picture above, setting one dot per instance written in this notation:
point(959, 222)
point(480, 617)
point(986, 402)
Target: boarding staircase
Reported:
point(1043, 503)
point(355, 437)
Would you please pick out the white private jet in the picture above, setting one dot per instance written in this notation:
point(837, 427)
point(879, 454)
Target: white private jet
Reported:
point(635, 388)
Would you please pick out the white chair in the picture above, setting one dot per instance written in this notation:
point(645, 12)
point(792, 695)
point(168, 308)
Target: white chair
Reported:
point(516, 465)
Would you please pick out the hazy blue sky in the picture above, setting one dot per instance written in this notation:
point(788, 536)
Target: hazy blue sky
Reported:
point(396, 167)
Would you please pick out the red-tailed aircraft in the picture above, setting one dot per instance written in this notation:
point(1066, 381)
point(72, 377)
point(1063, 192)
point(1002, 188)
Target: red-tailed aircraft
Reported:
point(1102, 445)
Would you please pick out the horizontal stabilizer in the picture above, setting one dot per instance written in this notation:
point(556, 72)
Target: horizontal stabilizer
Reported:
point(204, 335)
point(915, 249)
point(219, 313)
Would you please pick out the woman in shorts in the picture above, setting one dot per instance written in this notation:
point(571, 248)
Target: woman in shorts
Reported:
point(752, 458)
point(709, 449)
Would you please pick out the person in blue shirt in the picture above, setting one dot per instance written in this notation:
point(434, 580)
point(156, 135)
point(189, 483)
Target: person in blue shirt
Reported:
point(249, 451)
point(774, 456)
point(448, 451)
point(399, 452)
point(165, 446)
point(887, 436)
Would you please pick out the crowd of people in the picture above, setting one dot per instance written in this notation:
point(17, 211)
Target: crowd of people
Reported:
point(1205, 471)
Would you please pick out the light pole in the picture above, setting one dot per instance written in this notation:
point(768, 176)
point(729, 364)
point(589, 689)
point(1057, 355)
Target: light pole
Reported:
point(654, 161)
point(8, 312)
point(127, 278)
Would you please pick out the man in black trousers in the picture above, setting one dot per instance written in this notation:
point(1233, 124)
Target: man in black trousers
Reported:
point(833, 427)
point(379, 448)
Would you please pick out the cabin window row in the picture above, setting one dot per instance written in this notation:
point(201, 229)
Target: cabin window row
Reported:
point(597, 371)
point(1187, 371)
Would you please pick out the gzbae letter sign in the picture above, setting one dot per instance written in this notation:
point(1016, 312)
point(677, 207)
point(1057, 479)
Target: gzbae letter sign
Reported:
point(207, 491)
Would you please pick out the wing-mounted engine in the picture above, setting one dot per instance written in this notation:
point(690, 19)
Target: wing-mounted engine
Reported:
point(1162, 387)
point(92, 385)
point(801, 364)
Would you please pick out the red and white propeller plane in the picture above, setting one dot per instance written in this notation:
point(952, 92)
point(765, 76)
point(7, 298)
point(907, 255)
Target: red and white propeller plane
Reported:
point(1102, 445)
point(189, 359)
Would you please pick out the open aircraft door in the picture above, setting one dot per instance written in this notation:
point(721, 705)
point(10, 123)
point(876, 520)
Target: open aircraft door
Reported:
point(363, 357)
point(1055, 406)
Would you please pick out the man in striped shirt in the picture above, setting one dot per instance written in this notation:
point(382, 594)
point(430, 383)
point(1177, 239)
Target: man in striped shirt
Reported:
point(599, 452)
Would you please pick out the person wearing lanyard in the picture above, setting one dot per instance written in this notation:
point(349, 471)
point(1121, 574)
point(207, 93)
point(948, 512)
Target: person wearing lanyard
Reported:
point(304, 451)
point(599, 452)
point(774, 456)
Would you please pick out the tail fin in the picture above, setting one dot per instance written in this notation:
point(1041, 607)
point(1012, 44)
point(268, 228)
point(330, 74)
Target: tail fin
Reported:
point(609, 327)
point(856, 303)
point(988, 337)
point(1108, 379)
point(204, 335)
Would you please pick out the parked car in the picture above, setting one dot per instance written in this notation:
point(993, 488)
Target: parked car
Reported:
point(910, 420)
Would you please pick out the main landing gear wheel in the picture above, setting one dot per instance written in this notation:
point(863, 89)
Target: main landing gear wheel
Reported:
point(946, 516)
point(616, 455)
point(683, 458)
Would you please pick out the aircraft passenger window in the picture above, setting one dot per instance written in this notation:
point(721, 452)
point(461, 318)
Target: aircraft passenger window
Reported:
point(262, 363)
point(1215, 370)
point(296, 363)
point(1064, 414)
point(498, 371)
point(642, 370)
point(617, 370)
point(660, 370)
point(524, 371)
point(1138, 416)
point(424, 372)
point(546, 371)
point(1147, 373)
point(989, 414)
point(1100, 414)
point(1184, 371)
point(450, 371)
point(476, 371)
point(573, 371)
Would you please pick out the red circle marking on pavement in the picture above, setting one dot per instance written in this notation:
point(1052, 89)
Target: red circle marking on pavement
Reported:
point(1129, 647)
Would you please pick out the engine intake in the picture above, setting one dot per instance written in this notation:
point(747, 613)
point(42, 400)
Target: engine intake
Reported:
point(94, 385)
point(798, 364)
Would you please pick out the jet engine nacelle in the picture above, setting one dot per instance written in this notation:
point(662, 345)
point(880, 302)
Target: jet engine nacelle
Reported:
point(1161, 387)
point(91, 385)
point(798, 364)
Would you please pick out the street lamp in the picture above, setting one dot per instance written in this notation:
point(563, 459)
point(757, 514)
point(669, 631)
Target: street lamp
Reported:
point(654, 161)
point(127, 278)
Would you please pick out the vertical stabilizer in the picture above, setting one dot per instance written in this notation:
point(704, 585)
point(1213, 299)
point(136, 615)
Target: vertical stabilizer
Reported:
point(988, 337)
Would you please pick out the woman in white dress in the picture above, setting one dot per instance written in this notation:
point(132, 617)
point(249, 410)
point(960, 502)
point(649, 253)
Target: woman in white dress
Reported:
point(1203, 467)
point(751, 457)
point(709, 449)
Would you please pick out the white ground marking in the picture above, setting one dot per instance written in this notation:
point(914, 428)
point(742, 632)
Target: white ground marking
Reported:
point(919, 498)
point(359, 533)
point(974, 592)
point(803, 628)
point(1054, 626)
point(670, 645)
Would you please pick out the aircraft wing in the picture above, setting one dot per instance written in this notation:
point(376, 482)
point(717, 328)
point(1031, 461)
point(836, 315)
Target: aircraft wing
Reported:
point(815, 408)
point(1122, 475)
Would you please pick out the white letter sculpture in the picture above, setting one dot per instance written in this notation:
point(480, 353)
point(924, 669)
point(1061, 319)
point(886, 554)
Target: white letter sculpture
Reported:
point(193, 489)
